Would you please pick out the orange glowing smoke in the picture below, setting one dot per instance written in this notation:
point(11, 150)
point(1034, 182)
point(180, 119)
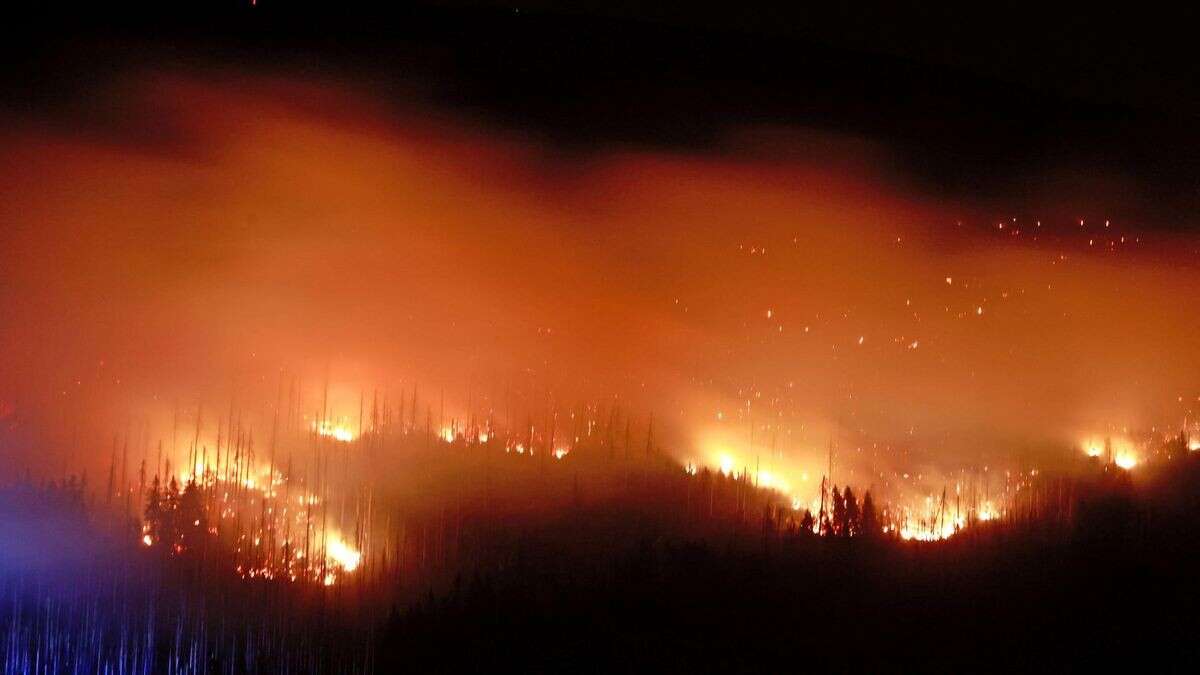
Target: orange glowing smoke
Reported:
point(769, 295)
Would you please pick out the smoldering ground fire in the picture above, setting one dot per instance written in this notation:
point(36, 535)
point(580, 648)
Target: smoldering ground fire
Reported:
point(363, 347)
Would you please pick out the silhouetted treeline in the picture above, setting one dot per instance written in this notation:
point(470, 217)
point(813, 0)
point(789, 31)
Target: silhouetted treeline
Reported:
point(87, 596)
point(1113, 585)
point(599, 565)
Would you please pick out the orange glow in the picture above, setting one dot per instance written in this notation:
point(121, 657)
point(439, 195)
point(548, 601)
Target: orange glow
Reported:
point(1118, 449)
point(344, 556)
point(334, 431)
point(277, 284)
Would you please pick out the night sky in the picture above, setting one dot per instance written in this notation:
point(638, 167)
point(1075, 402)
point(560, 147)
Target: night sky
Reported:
point(974, 102)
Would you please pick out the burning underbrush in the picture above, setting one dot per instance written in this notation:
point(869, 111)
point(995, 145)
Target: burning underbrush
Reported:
point(233, 566)
point(352, 547)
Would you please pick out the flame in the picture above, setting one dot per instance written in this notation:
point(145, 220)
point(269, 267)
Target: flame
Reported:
point(987, 511)
point(766, 479)
point(938, 532)
point(251, 485)
point(343, 555)
point(1120, 450)
point(726, 463)
point(336, 431)
point(917, 508)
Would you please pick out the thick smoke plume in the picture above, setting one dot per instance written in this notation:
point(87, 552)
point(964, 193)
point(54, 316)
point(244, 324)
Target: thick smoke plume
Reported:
point(218, 241)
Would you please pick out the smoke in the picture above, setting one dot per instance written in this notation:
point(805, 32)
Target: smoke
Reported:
point(225, 239)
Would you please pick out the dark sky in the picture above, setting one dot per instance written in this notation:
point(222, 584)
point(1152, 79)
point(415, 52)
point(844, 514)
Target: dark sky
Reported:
point(974, 101)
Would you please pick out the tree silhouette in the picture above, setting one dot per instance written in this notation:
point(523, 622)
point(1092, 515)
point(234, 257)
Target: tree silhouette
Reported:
point(168, 512)
point(807, 523)
point(839, 513)
point(853, 524)
point(154, 511)
point(870, 519)
point(191, 519)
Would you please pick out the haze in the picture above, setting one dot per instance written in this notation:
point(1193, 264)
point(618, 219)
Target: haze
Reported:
point(226, 235)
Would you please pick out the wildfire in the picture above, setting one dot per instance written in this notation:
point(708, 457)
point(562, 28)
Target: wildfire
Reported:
point(726, 463)
point(345, 557)
point(216, 500)
point(933, 533)
point(914, 507)
point(766, 479)
point(334, 430)
point(1119, 450)
point(987, 511)
point(1125, 461)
